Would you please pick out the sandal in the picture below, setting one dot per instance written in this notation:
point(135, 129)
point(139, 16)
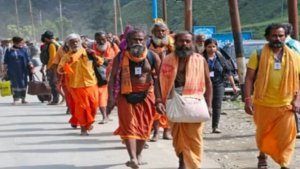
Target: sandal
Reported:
point(262, 162)
point(132, 164)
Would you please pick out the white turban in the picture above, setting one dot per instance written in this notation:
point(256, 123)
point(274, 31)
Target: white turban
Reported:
point(70, 37)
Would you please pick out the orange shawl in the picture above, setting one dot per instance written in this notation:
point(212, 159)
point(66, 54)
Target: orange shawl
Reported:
point(126, 86)
point(194, 75)
point(290, 80)
point(73, 57)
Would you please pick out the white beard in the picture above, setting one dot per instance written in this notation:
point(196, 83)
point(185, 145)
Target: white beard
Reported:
point(160, 42)
point(199, 48)
point(75, 49)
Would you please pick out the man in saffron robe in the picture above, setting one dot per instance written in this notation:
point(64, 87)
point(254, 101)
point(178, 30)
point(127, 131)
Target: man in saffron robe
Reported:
point(78, 69)
point(275, 77)
point(162, 44)
point(62, 83)
point(103, 48)
point(187, 72)
point(131, 85)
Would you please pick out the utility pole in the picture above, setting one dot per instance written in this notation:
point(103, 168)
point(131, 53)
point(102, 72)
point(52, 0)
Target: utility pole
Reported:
point(41, 18)
point(188, 14)
point(120, 15)
point(154, 9)
point(238, 41)
point(164, 7)
point(61, 20)
point(115, 17)
point(293, 17)
point(32, 23)
point(17, 16)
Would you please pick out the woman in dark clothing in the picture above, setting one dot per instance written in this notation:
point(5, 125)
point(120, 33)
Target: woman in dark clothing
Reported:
point(219, 70)
point(18, 66)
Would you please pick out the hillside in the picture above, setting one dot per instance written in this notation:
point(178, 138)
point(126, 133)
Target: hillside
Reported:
point(88, 16)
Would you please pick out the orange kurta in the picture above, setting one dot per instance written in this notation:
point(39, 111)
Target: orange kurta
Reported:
point(135, 121)
point(187, 138)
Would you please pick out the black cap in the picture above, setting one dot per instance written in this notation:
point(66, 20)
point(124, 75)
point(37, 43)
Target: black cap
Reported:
point(48, 34)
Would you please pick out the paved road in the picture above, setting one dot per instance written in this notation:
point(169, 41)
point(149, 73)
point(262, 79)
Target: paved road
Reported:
point(37, 136)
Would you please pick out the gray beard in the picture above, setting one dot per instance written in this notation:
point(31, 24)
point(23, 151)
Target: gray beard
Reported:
point(160, 42)
point(276, 44)
point(199, 48)
point(182, 53)
point(136, 50)
point(102, 48)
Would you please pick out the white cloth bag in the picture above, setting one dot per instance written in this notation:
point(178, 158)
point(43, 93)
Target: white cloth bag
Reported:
point(186, 109)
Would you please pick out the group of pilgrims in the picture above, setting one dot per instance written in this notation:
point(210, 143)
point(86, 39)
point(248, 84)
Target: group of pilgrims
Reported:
point(141, 72)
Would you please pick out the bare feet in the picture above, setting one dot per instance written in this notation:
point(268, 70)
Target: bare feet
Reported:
point(181, 162)
point(68, 111)
point(52, 103)
point(132, 164)
point(104, 121)
point(74, 126)
point(140, 161)
point(84, 131)
point(90, 128)
point(167, 134)
point(154, 138)
point(298, 135)
point(62, 101)
point(146, 146)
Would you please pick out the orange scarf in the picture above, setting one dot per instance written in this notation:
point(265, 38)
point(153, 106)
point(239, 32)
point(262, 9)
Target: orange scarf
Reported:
point(194, 75)
point(126, 86)
point(290, 81)
point(72, 58)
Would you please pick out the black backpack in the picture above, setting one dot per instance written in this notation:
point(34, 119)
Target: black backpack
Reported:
point(44, 55)
point(228, 61)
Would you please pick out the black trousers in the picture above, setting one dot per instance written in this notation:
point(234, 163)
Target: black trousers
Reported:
point(297, 116)
point(218, 93)
point(52, 79)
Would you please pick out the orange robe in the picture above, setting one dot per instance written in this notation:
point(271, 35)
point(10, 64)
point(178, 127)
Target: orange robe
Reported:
point(135, 121)
point(273, 115)
point(187, 137)
point(81, 83)
point(110, 53)
point(276, 132)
